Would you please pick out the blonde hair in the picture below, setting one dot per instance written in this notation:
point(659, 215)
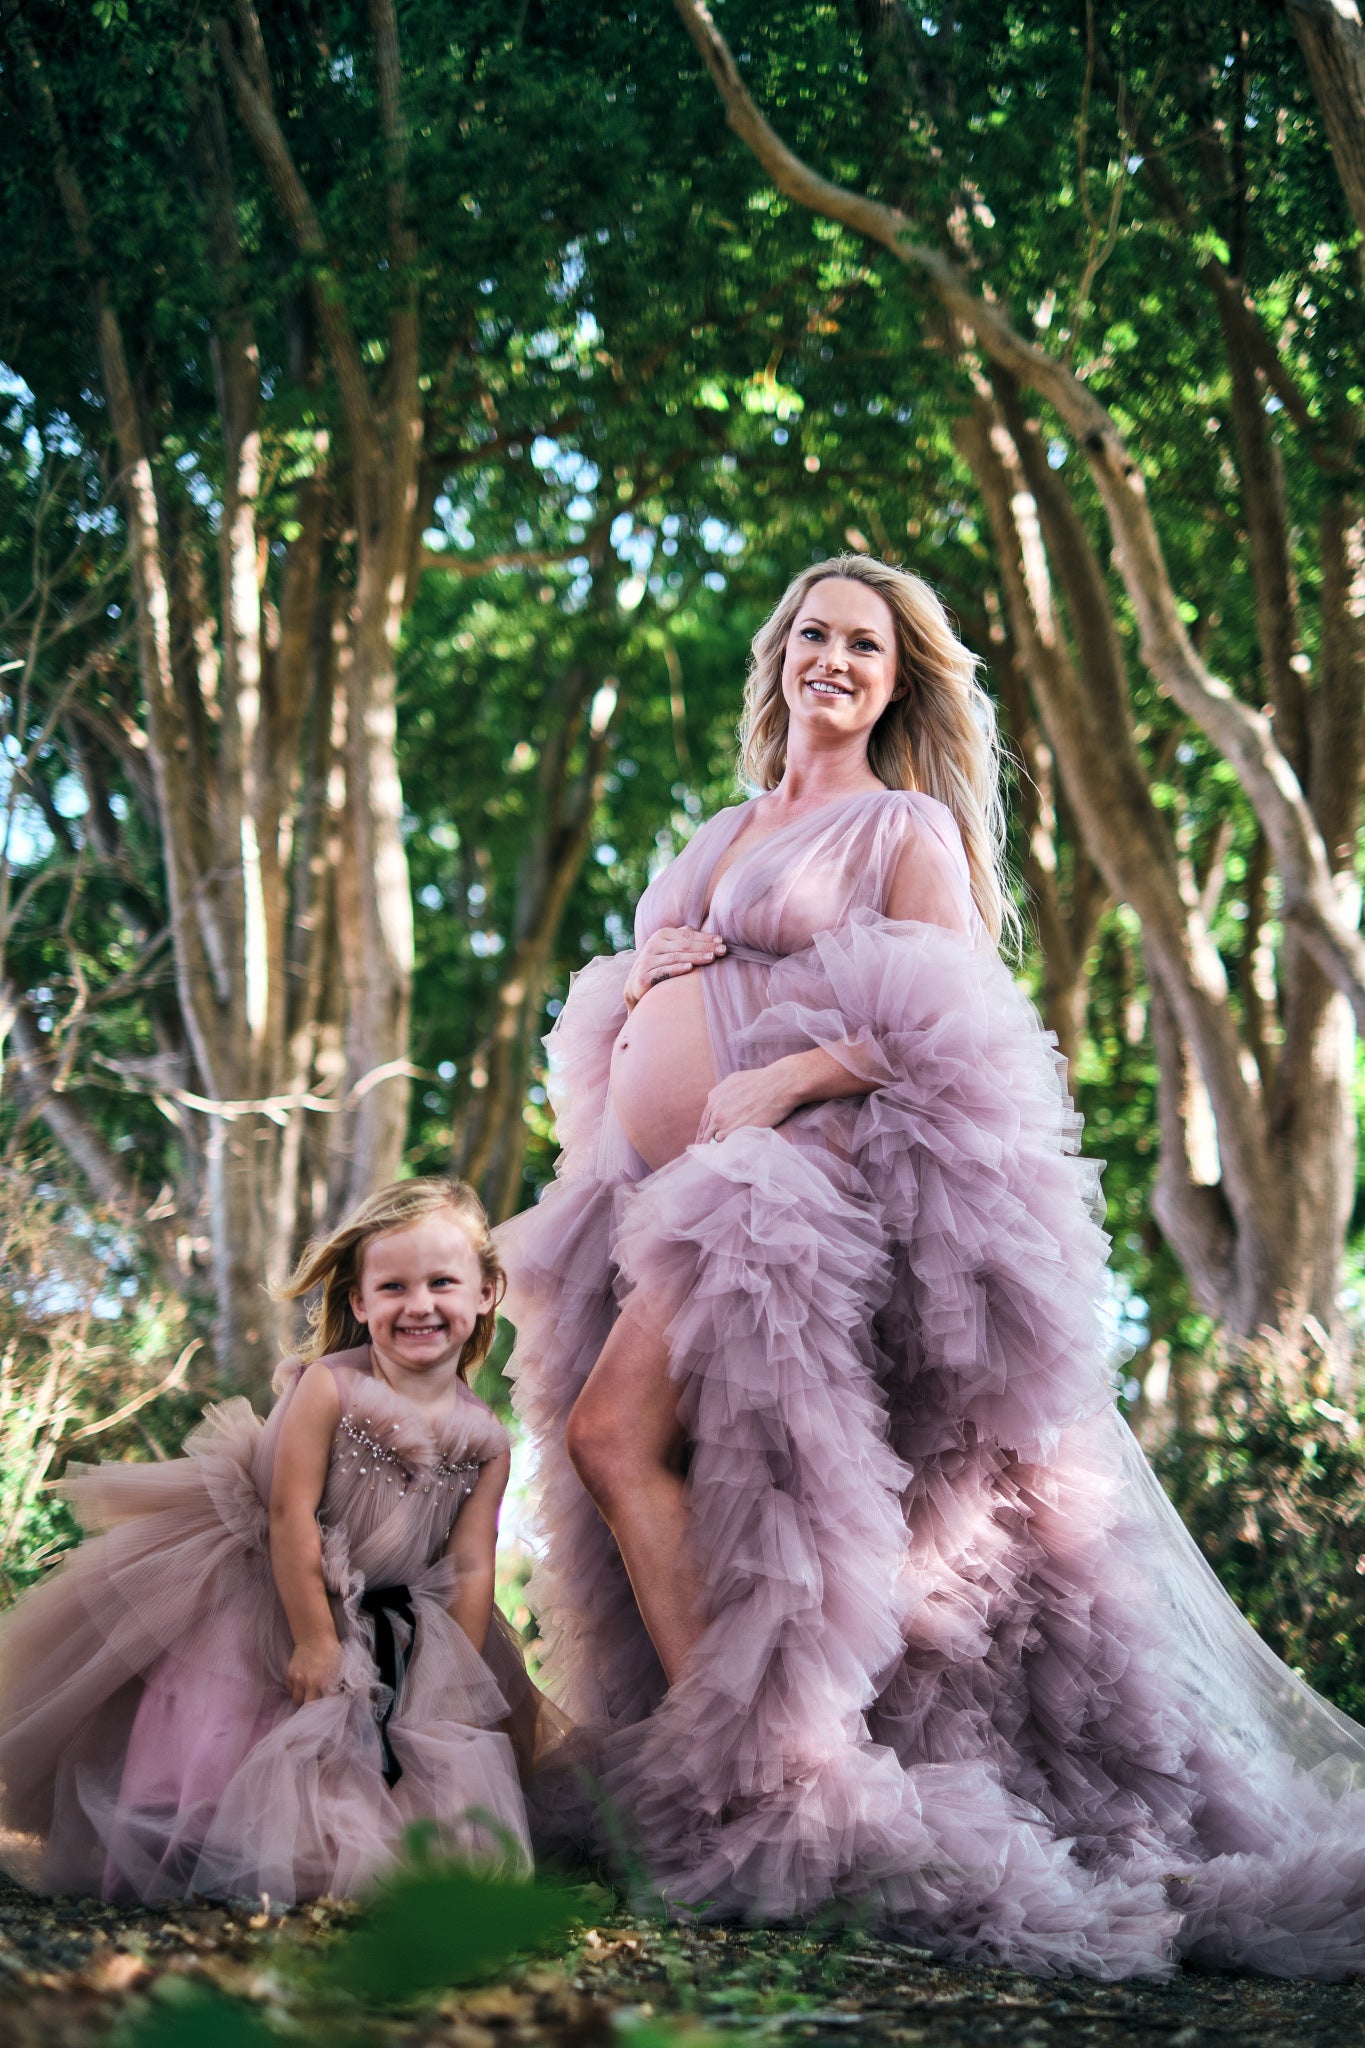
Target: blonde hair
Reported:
point(939, 735)
point(333, 1264)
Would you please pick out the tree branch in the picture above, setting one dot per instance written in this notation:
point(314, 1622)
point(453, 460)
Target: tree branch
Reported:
point(1242, 734)
point(251, 90)
point(1332, 37)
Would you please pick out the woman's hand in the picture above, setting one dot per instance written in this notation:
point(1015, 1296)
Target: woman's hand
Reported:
point(763, 1097)
point(673, 949)
point(313, 1669)
point(753, 1098)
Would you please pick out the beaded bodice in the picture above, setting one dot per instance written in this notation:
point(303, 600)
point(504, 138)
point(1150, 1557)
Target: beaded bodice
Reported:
point(363, 1445)
point(398, 1474)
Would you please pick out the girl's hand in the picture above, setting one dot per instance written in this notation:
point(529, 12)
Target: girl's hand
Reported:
point(673, 949)
point(757, 1098)
point(313, 1670)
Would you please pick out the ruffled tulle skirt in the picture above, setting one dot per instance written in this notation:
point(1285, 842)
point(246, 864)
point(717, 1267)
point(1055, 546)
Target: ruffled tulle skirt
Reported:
point(148, 1744)
point(962, 1671)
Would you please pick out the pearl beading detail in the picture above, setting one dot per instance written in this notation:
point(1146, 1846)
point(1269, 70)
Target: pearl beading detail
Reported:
point(461, 1473)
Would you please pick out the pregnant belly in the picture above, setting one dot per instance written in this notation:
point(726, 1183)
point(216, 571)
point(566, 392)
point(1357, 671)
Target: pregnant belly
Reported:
point(661, 1071)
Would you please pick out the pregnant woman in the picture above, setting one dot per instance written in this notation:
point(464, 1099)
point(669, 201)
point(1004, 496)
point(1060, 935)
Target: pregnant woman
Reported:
point(856, 1582)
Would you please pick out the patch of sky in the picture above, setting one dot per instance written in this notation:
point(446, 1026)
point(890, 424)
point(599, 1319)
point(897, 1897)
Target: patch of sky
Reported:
point(27, 840)
point(718, 538)
point(605, 856)
point(486, 945)
point(445, 1070)
point(618, 931)
point(579, 507)
point(452, 525)
point(572, 270)
point(1056, 454)
point(430, 897)
point(69, 799)
point(714, 580)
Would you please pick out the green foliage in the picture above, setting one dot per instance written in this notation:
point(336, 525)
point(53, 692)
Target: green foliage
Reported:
point(433, 1925)
point(187, 2016)
point(1273, 1489)
point(88, 1346)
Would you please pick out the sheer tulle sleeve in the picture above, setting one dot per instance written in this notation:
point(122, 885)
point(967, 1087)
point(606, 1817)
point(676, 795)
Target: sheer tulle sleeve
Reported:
point(930, 882)
point(557, 1248)
point(579, 1051)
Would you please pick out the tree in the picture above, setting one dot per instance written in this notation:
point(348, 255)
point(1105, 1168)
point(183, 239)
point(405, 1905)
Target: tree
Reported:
point(1257, 1214)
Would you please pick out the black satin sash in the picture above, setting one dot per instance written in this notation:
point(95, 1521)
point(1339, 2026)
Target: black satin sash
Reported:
point(383, 1603)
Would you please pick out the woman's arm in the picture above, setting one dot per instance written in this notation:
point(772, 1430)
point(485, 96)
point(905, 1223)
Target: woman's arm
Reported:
point(472, 1549)
point(301, 1461)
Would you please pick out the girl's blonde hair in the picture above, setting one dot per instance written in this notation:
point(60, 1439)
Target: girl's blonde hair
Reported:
point(939, 735)
point(333, 1264)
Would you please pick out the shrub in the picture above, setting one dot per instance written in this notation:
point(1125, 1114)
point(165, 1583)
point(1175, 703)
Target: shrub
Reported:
point(1272, 1487)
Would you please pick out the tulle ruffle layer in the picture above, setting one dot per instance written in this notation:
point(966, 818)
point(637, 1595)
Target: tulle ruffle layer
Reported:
point(936, 1684)
point(149, 1740)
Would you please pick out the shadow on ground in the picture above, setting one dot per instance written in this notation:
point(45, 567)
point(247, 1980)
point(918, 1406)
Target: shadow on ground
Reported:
point(77, 1974)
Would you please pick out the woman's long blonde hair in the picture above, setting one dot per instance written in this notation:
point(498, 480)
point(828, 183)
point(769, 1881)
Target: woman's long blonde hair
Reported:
point(939, 735)
point(332, 1264)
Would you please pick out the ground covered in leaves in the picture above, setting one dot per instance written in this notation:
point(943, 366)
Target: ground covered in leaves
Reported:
point(77, 1974)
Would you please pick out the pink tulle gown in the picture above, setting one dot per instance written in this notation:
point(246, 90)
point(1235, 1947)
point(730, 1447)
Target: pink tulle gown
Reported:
point(963, 1670)
point(146, 1736)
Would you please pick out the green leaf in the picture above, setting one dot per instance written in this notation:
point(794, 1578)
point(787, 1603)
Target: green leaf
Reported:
point(441, 1925)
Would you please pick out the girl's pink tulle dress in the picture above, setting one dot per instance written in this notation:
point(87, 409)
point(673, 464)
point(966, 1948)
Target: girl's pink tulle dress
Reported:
point(146, 1735)
point(963, 1669)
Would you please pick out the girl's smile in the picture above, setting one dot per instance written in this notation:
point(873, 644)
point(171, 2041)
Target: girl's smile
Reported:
point(420, 1294)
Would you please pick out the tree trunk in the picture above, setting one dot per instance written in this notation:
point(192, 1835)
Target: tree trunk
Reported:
point(270, 735)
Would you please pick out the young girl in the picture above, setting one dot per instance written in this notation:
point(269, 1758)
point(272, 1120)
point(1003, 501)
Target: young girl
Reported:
point(280, 1652)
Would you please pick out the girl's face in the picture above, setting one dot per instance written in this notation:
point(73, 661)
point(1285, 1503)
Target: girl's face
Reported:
point(421, 1290)
point(839, 668)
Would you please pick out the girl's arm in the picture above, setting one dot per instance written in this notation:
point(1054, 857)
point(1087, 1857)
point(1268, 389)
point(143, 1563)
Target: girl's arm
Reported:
point(301, 1461)
point(472, 1547)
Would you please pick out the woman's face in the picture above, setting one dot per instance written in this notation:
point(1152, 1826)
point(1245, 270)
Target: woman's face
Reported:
point(839, 668)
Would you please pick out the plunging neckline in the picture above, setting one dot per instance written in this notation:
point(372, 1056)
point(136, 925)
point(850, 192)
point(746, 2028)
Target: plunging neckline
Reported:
point(716, 883)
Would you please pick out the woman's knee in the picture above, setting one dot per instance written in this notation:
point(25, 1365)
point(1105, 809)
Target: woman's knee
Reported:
point(595, 1446)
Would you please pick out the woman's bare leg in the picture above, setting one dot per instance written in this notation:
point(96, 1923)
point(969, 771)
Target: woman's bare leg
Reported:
point(626, 1445)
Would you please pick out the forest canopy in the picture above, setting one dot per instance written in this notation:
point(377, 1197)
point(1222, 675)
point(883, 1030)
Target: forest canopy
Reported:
point(409, 415)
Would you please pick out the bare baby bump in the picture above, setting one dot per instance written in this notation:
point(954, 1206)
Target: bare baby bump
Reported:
point(661, 1071)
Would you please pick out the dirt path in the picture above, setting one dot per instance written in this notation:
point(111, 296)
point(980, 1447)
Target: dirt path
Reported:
point(73, 1974)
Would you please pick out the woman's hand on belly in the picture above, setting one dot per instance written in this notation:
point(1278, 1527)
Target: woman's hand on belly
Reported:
point(673, 949)
point(753, 1098)
point(763, 1097)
